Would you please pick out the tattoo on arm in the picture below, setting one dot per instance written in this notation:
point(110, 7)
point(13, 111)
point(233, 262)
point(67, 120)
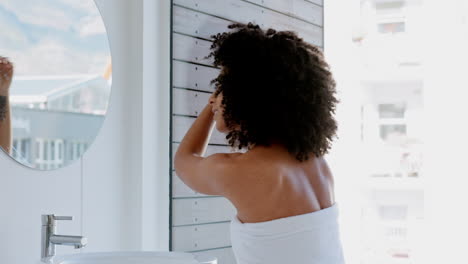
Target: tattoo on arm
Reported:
point(3, 107)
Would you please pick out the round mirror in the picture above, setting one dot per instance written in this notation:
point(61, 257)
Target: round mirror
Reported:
point(55, 80)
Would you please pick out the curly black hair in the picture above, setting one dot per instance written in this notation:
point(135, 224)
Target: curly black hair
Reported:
point(277, 88)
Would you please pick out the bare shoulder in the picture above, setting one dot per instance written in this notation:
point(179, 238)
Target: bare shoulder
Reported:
point(224, 163)
point(230, 168)
point(225, 158)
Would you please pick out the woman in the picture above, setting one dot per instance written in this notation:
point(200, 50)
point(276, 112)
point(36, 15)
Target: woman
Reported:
point(275, 97)
point(6, 73)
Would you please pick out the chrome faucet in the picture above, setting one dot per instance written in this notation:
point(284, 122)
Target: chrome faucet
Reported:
point(50, 238)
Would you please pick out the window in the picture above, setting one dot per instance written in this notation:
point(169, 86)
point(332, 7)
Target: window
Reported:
point(391, 203)
point(396, 110)
point(390, 17)
point(52, 150)
point(25, 147)
point(393, 212)
point(22, 150)
point(389, 130)
point(391, 27)
point(392, 119)
point(49, 153)
point(60, 150)
point(381, 5)
point(46, 150)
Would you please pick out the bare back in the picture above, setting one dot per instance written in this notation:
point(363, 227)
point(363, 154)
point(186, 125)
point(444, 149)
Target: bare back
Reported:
point(270, 184)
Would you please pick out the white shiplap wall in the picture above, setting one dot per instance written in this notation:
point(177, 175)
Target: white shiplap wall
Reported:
point(200, 223)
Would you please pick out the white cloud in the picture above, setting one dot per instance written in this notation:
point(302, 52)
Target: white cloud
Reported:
point(11, 36)
point(50, 57)
point(50, 13)
point(91, 25)
point(41, 13)
point(88, 6)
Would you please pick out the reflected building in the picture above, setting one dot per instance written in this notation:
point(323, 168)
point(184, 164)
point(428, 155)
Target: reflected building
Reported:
point(388, 42)
point(48, 114)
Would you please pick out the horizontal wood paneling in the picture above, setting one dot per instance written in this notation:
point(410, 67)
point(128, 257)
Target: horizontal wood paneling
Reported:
point(301, 9)
point(201, 210)
point(241, 11)
point(181, 124)
point(317, 2)
point(190, 238)
point(310, 33)
point(190, 49)
point(224, 255)
point(309, 12)
point(233, 10)
point(197, 24)
point(193, 76)
point(186, 102)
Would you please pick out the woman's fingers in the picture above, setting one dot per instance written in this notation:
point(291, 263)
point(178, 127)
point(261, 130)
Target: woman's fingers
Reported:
point(5, 62)
point(6, 74)
point(6, 68)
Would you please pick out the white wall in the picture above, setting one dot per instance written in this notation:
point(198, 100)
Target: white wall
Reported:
point(344, 156)
point(119, 191)
point(446, 130)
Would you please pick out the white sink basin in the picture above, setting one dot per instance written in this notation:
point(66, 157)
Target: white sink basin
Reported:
point(133, 257)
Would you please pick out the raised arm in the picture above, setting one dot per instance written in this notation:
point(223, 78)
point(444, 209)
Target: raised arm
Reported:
point(207, 175)
point(6, 74)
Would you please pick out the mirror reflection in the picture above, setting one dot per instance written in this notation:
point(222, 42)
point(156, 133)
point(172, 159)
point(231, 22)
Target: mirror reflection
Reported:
point(55, 80)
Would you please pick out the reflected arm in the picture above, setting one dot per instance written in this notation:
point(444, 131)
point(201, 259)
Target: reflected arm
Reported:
point(6, 75)
point(5, 123)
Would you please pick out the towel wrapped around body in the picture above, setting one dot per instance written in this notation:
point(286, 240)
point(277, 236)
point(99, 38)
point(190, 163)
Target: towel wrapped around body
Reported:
point(311, 238)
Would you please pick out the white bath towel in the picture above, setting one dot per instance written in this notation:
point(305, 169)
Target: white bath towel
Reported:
point(312, 238)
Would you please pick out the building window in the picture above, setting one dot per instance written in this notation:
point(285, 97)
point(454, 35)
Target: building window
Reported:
point(392, 119)
point(387, 130)
point(391, 27)
point(381, 5)
point(393, 212)
point(49, 153)
point(396, 110)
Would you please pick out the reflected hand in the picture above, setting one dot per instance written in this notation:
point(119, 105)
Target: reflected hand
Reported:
point(6, 75)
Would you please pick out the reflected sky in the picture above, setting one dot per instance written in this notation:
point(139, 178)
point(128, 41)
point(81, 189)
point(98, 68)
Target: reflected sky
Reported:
point(53, 37)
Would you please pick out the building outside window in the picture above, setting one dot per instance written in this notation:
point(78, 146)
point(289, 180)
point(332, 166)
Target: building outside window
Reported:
point(391, 87)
